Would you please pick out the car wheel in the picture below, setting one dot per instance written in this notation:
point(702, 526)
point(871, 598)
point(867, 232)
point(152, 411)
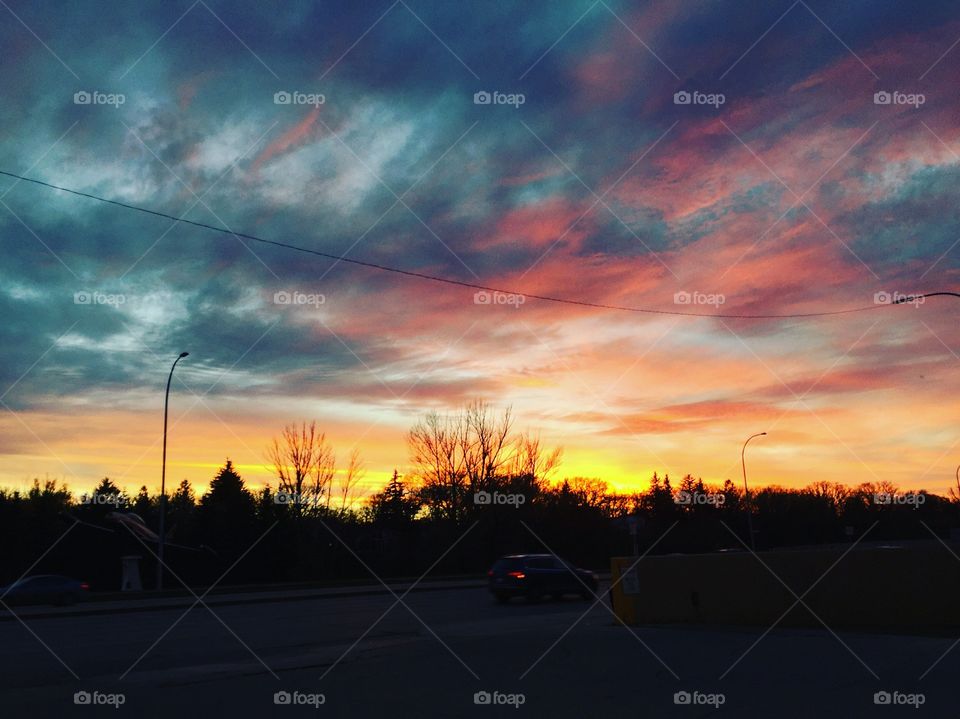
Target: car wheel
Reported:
point(64, 600)
point(533, 597)
point(502, 597)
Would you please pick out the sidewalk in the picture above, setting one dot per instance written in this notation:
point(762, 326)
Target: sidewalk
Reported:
point(122, 603)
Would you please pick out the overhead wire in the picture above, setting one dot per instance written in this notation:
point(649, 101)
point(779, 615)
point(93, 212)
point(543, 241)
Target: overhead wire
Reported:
point(904, 299)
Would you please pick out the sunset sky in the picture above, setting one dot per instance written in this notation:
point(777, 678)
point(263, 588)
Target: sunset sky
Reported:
point(801, 192)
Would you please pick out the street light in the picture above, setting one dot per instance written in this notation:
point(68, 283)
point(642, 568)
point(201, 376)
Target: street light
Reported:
point(163, 477)
point(746, 492)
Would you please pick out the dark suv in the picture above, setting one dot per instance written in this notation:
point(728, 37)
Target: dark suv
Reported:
point(534, 575)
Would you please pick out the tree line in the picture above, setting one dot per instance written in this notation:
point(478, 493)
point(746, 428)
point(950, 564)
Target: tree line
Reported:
point(476, 489)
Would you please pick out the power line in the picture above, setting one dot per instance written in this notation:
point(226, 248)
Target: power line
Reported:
point(461, 283)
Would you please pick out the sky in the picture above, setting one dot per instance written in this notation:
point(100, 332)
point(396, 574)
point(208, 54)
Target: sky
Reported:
point(733, 157)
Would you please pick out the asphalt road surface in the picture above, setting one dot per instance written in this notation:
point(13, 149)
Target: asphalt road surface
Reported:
point(450, 650)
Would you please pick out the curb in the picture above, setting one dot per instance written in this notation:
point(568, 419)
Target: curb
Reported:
point(191, 601)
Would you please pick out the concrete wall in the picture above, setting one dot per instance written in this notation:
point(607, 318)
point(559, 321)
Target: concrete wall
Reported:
point(905, 587)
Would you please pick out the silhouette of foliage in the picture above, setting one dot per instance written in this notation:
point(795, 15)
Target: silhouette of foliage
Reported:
point(474, 484)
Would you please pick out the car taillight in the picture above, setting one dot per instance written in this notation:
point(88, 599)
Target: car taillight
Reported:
point(516, 575)
point(490, 573)
point(84, 586)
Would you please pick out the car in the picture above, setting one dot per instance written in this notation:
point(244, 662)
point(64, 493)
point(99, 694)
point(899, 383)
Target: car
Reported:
point(533, 576)
point(45, 589)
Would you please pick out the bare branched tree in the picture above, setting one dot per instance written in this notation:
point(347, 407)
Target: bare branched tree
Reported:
point(456, 455)
point(485, 444)
point(532, 461)
point(304, 464)
point(350, 480)
point(434, 443)
point(473, 450)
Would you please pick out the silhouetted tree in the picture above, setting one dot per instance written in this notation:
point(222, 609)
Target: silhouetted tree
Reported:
point(182, 512)
point(532, 461)
point(106, 497)
point(347, 484)
point(304, 463)
point(456, 455)
point(226, 513)
point(143, 505)
point(394, 506)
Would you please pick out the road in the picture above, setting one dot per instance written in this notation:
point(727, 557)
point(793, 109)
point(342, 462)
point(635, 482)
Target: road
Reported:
point(566, 658)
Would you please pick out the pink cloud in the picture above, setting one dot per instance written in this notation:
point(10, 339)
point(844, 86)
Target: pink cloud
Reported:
point(298, 135)
point(540, 224)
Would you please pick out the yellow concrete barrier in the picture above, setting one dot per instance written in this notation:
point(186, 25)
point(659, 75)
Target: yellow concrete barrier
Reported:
point(872, 587)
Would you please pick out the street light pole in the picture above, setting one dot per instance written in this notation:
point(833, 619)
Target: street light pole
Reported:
point(163, 478)
point(746, 492)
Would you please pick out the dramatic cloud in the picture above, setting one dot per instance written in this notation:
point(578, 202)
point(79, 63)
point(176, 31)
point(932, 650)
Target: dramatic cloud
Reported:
point(726, 157)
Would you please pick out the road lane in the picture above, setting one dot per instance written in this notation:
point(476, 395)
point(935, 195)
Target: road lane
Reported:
point(105, 645)
point(595, 668)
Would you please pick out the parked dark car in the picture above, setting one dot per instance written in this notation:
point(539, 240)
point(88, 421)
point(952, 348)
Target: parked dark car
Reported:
point(45, 589)
point(534, 576)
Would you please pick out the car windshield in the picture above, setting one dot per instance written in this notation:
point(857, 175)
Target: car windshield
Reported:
point(508, 564)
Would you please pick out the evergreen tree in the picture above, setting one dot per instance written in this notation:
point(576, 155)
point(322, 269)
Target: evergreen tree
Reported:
point(227, 513)
point(395, 505)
